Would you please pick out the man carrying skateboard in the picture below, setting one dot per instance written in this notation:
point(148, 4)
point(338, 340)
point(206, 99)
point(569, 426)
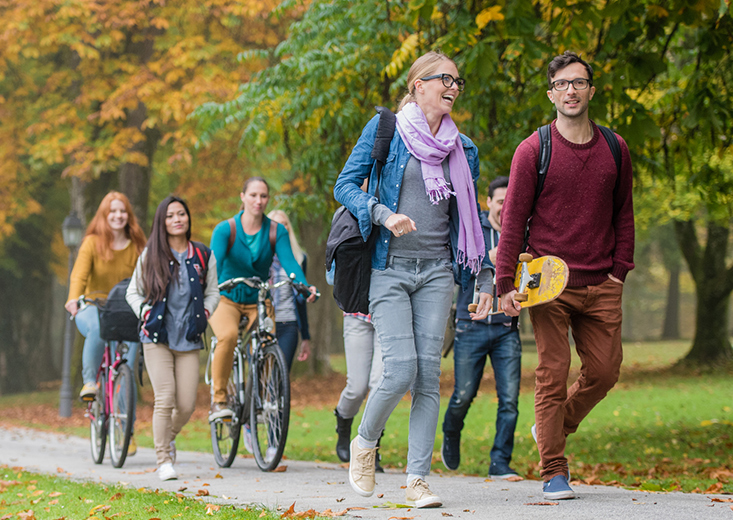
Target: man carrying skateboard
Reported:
point(585, 216)
point(475, 340)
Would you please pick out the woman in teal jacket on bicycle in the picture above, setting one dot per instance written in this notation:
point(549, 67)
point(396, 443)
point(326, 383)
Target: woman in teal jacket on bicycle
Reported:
point(246, 254)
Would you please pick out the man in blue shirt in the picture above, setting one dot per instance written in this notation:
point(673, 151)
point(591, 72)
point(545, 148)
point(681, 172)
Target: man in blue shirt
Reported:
point(474, 341)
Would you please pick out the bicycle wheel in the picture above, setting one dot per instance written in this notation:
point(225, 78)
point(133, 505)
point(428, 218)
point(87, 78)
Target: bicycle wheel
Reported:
point(269, 413)
point(225, 433)
point(121, 415)
point(98, 420)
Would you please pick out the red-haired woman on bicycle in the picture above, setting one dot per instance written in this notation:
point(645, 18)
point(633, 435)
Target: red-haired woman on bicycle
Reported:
point(107, 255)
point(174, 291)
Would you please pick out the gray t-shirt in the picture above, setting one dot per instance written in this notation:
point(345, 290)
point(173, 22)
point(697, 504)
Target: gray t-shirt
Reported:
point(432, 239)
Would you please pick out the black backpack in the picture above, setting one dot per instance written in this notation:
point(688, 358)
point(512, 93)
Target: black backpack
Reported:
point(117, 322)
point(345, 245)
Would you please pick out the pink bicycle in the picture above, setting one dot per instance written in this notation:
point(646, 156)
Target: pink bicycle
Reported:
point(113, 410)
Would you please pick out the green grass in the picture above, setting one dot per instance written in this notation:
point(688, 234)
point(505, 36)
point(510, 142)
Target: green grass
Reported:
point(658, 429)
point(28, 495)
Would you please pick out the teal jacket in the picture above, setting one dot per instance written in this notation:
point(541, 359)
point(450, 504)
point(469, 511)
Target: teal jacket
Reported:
point(240, 262)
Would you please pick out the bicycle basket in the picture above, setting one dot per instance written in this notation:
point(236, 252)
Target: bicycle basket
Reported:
point(117, 322)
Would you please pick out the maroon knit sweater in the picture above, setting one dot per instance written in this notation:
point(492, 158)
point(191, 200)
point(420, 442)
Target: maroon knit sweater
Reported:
point(577, 216)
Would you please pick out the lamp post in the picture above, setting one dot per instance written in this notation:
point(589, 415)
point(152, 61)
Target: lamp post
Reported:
point(73, 232)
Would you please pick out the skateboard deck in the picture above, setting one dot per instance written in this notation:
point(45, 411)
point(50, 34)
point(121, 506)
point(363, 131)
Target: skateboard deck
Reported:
point(538, 280)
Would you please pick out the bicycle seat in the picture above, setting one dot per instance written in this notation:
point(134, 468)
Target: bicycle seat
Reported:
point(243, 321)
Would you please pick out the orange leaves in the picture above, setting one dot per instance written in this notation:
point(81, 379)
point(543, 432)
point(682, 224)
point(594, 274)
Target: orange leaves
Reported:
point(311, 513)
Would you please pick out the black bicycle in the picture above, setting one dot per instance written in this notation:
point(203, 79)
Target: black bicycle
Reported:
point(263, 401)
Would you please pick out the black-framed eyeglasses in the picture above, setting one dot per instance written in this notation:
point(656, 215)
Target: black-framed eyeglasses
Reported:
point(448, 80)
point(578, 84)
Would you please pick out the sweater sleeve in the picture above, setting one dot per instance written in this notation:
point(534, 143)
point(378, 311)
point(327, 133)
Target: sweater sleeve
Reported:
point(82, 268)
point(211, 295)
point(516, 211)
point(623, 217)
point(135, 294)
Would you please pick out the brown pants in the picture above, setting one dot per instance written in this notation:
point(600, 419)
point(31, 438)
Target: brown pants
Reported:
point(225, 324)
point(174, 376)
point(593, 313)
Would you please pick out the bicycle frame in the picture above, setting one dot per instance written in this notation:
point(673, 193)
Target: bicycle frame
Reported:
point(110, 369)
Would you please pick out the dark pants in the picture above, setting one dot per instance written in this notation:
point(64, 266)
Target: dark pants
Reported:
point(287, 337)
point(593, 313)
point(474, 342)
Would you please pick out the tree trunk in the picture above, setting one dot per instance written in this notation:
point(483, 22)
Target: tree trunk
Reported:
point(135, 178)
point(671, 327)
point(713, 285)
point(324, 317)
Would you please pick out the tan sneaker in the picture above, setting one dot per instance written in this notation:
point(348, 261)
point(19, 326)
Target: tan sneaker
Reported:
point(418, 494)
point(88, 392)
point(361, 469)
point(132, 447)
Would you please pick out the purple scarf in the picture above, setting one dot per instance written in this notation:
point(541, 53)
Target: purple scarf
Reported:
point(431, 151)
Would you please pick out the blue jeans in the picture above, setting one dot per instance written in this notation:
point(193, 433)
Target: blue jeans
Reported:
point(87, 321)
point(287, 338)
point(474, 341)
point(409, 304)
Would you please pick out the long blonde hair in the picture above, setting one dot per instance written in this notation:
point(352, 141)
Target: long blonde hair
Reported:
point(294, 245)
point(424, 66)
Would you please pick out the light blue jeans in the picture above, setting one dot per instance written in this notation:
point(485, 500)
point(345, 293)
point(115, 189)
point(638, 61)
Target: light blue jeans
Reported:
point(363, 365)
point(87, 321)
point(409, 304)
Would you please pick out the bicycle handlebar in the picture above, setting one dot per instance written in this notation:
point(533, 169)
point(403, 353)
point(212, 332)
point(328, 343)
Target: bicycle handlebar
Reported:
point(256, 283)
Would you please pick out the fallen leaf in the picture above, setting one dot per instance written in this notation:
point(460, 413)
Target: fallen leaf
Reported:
point(289, 512)
point(401, 518)
point(542, 504)
point(206, 484)
point(721, 499)
point(340, 499)
point(100, 508)
point(6, 517)
point(447, 514)
point(59, 470)
point(218, 476)
point(715, 488)
point(514, 478)
point(381, 495)
point(151, 509)
point(53, 502)
point(330, 514)
point(116, 496)
point(27, 515)
point(181, 490)
point(202, 493)
point(280, 469)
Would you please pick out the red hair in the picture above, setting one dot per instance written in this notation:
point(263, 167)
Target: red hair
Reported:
point(99, 226)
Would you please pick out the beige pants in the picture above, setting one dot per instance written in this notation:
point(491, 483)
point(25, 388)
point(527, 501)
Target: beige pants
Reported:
point(225, 324)
point(174, 376)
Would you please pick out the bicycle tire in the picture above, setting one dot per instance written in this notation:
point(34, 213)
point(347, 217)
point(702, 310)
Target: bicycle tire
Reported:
point(225, 434)
point(98, 420)
point(121, 415)
point(270, 406)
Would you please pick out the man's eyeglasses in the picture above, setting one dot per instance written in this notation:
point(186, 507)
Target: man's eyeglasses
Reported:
point(448, 80)
point(578, 84)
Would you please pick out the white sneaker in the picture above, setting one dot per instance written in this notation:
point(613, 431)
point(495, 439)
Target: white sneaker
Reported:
point(247, 438)
point(418, 494)
point(172, 452)
point(534, 432)
point(361, 468)
point(166, 472)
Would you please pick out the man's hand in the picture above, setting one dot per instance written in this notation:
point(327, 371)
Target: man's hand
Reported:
point(400, 224)
point(312, 289)
point(510, 306)
point(492, 255)
point(484, 306)
point(613, 278)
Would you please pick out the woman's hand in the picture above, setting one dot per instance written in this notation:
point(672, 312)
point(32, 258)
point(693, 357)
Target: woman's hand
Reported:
point(305, 350)
point(72, 306)
point(314, 294)
point(400, 224)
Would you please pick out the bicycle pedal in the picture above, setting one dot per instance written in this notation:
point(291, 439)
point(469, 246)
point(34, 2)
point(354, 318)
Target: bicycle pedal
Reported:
point(226, 419)
point(87, 399)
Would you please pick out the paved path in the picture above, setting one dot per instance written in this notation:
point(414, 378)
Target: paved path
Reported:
point(323, 486)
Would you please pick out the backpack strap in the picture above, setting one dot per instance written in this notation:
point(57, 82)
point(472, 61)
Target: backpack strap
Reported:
point(203, 253)
point(232, 233)
point(612, 141)
point(273, 235)
point(543, 159)
point(382, 141)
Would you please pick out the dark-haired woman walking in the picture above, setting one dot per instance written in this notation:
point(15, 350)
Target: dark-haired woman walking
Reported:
point(174, 291)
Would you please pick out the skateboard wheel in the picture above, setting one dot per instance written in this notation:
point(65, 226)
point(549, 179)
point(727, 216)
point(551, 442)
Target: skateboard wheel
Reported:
point(472, 307)
point(521, 297)
point(525, 257)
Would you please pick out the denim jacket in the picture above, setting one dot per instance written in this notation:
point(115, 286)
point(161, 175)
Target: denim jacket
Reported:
point(360, 165)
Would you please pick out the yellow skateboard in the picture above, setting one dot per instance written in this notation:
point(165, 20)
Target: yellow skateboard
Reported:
point(538, 280)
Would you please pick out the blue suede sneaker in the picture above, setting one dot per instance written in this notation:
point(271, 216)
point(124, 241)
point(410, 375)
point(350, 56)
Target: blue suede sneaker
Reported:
point(451, 451)
point(557, 488)
point(502, 471)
